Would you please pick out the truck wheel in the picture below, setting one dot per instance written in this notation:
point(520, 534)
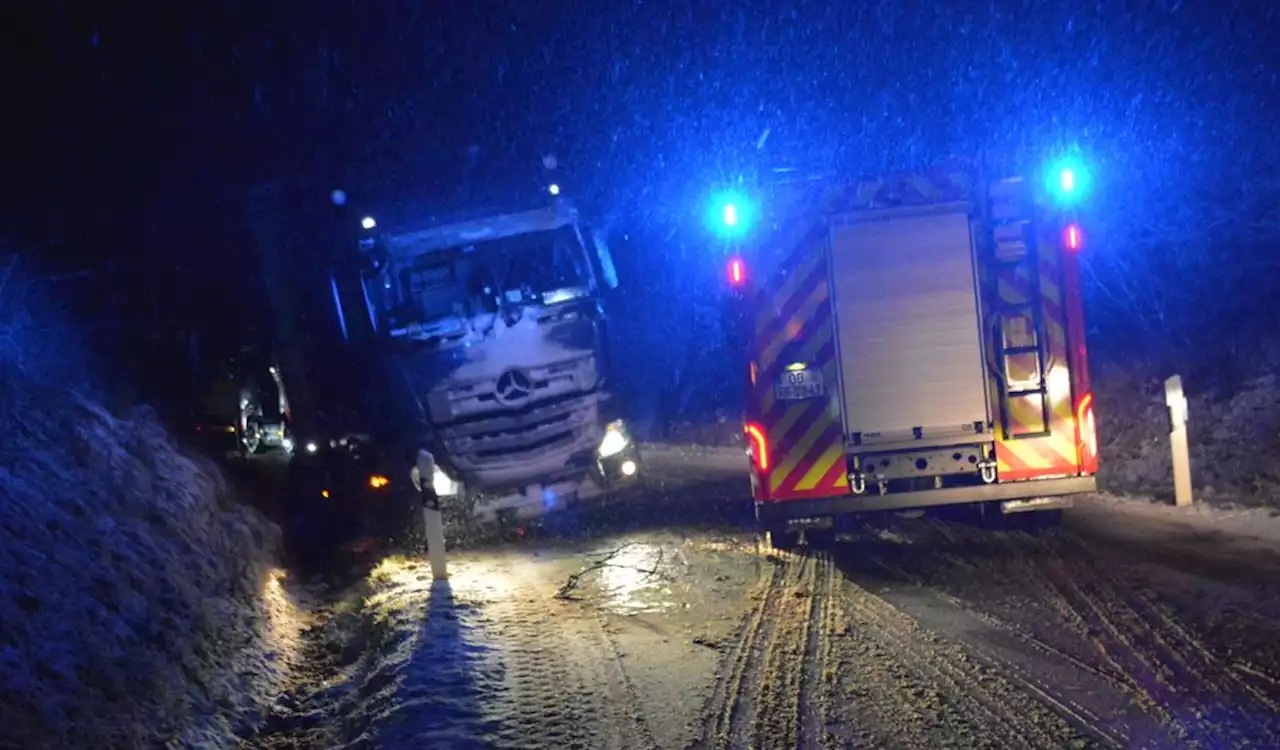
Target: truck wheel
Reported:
point(782, 538)
point(251, 437)
point(821, 539)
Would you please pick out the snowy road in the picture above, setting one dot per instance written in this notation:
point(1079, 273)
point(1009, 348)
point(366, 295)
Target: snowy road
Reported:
point(1131, 626)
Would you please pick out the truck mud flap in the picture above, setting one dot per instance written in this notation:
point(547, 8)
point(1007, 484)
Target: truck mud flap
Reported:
point(1012, 491)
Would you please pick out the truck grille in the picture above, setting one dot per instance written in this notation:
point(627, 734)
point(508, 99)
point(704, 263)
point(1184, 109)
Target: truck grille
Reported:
point(551, 427)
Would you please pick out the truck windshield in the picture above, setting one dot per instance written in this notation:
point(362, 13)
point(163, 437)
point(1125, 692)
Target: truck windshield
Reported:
point(448, 285)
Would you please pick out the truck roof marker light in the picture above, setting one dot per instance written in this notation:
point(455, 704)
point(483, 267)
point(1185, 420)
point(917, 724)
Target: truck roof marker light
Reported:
point(759, 445)
point(1072, 237)
point(737, 271)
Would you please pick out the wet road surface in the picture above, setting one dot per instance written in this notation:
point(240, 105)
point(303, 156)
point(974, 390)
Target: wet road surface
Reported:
point(664, 622)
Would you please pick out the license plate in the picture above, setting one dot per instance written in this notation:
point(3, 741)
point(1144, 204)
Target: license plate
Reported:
point(800, 384)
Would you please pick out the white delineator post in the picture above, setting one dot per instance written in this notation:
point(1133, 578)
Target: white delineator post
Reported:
point(1177, 403)
point(433, 520)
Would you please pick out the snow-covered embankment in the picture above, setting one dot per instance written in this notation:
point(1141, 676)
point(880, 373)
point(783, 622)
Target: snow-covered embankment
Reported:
point(139, 605)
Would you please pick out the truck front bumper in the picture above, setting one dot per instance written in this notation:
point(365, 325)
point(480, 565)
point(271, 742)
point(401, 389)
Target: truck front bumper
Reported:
point(780, 510)
point(613, 463)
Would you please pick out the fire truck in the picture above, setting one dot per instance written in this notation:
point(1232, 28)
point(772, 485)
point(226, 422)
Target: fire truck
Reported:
point(913, 341)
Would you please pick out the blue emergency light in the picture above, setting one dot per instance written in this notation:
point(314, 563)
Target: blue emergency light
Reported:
point(1067, 181)
point(730, 215)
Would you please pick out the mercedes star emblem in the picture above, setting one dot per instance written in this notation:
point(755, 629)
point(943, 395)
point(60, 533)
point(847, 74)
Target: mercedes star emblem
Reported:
point(514, 385)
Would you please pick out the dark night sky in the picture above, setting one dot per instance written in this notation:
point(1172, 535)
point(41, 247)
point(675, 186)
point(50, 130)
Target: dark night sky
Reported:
point(127, 127)
point(646, 103)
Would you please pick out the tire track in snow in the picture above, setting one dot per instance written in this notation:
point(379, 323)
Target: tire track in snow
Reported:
point(1042, 686)
point(563, 684)
point(726, 694)
point(903, 686)
point(1203, 700)
point(782, 698)
point(819, 675)
point(1191, 696)
point(1023, 570)
point(767, 693)
point(820, 662)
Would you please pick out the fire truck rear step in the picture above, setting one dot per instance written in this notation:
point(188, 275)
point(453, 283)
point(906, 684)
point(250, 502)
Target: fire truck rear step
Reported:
point(1036, 503)
point(1041, 488)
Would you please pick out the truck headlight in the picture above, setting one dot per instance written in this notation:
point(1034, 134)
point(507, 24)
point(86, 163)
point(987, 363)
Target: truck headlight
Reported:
point(442, 483)
point(615, 440)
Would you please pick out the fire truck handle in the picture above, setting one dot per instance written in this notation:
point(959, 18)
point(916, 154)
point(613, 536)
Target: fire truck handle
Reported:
point(1046, 350)
point(1049, 362)
point(993, 324)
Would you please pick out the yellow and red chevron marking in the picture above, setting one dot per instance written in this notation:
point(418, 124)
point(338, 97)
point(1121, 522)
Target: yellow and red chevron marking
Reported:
point(1053, 454)
point(794, 324)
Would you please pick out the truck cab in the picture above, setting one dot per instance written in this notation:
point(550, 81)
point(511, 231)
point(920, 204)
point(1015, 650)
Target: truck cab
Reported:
point(497, 327)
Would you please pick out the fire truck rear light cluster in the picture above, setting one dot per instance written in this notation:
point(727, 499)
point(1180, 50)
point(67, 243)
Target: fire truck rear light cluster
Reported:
point(759, 445)
point(1087, 434)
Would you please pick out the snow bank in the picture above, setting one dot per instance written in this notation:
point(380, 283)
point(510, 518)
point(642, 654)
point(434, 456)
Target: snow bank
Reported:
point(1234, 440)
point(132, 608)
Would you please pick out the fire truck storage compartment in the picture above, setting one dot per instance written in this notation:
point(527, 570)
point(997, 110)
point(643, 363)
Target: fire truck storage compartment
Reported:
point(905, 296)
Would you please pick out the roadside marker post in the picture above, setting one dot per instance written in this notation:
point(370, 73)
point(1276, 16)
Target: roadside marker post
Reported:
point(433, 520)
point(1176, 400)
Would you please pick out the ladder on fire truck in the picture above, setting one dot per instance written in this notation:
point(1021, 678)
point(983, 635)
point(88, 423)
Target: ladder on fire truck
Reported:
point(1016, 255)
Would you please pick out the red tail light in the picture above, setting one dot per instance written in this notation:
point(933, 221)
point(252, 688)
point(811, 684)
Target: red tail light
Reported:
point(1087, 435)
point(1072, 237)
point(737, 271)
point(759, 445)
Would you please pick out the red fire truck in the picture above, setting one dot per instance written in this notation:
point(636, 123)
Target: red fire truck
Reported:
point(913, 341)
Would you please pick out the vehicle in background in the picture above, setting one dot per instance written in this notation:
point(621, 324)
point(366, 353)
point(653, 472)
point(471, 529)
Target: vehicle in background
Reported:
point(913, 341)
